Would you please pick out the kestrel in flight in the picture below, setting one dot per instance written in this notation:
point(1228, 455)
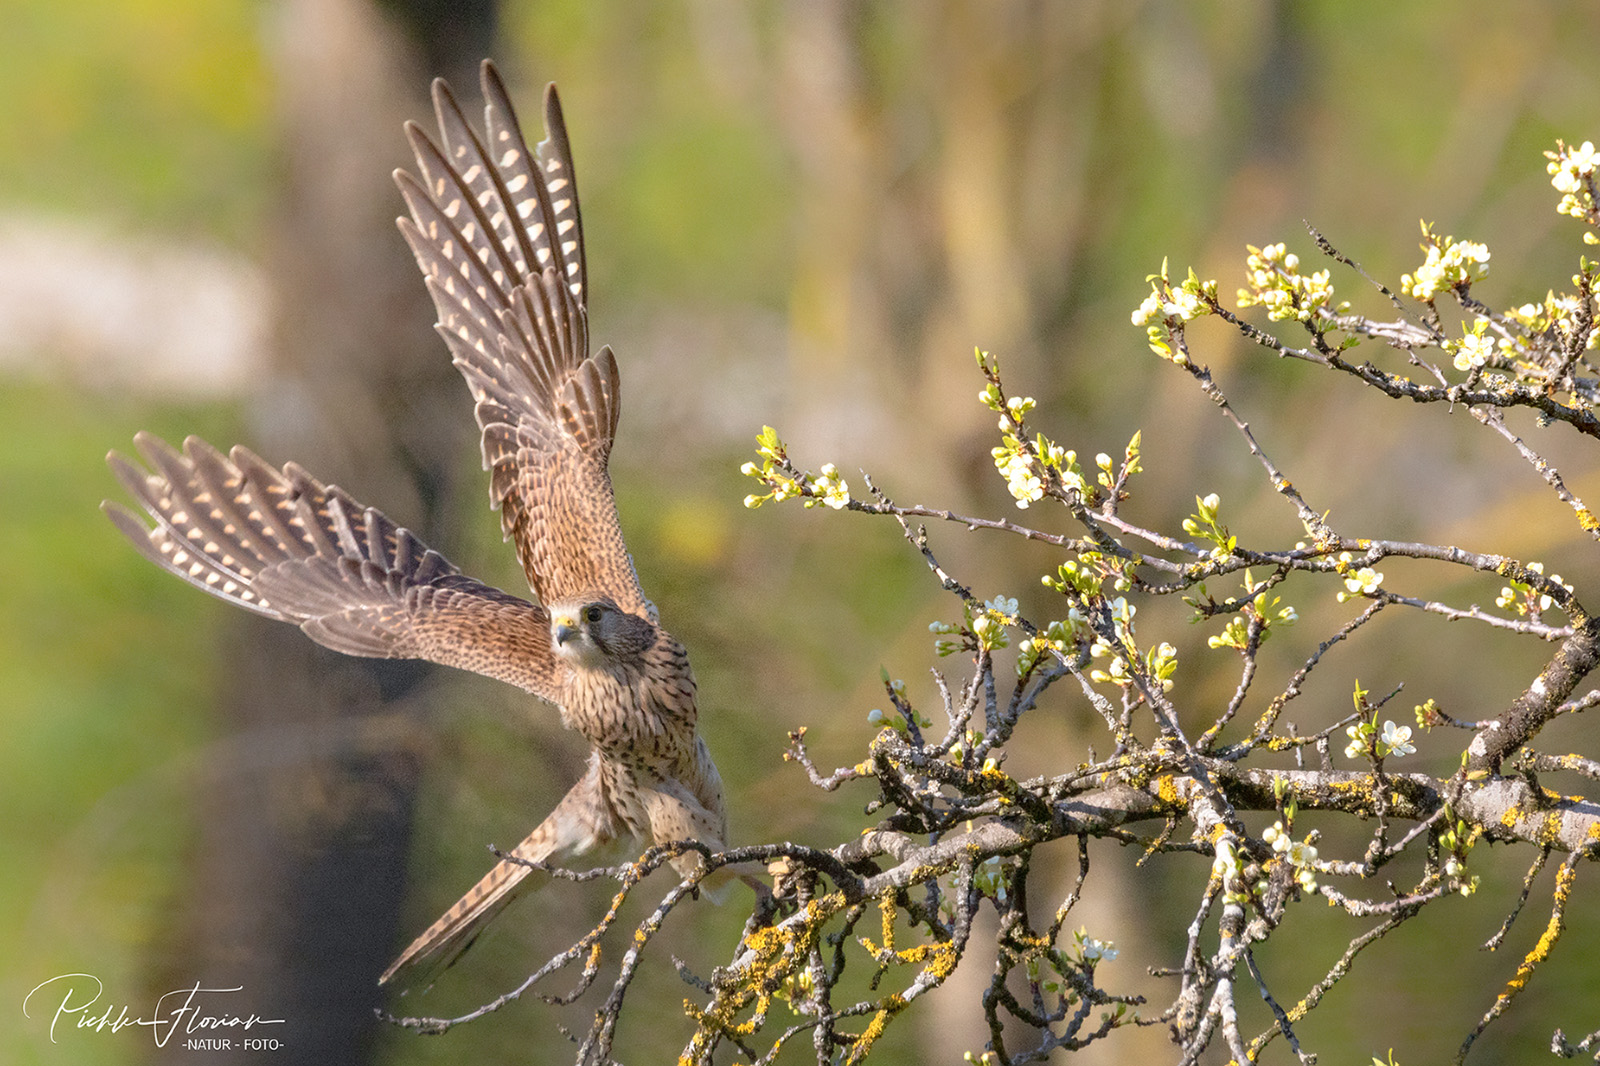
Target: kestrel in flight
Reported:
point(496, 231)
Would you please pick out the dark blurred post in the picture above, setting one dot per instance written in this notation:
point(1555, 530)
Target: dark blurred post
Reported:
point(300, 870)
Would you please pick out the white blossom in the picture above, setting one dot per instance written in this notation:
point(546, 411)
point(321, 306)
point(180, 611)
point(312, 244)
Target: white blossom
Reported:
point(1365, 580)
point(1397, 738)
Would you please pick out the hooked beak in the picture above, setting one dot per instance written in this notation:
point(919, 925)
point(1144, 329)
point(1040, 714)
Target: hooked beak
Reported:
point(563, 629)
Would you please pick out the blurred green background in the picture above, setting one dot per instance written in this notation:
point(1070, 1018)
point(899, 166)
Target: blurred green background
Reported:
point(798, 213)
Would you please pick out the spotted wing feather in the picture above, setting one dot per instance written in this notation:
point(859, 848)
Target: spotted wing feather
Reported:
point(281, 544)
point(496, 231)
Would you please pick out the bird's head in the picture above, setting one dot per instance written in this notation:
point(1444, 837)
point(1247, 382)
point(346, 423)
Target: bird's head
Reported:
point(592, 631)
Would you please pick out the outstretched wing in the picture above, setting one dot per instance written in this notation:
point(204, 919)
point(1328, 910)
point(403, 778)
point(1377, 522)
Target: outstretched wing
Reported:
point(281, 544)
point(496, 231)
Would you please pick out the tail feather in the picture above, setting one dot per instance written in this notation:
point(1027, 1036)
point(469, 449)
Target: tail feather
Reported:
point(455, 930)
point(583, 820)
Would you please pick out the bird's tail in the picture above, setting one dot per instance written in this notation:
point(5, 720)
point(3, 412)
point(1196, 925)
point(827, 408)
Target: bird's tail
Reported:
point(455, 930)
point(577, 825)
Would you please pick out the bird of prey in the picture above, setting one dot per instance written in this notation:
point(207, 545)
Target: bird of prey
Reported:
point(496, 231)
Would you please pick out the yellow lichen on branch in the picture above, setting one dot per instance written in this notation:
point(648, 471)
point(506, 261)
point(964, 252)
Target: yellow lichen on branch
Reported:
point(1566, 876)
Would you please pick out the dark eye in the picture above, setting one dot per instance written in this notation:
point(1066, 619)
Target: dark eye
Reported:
point(591, 613)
